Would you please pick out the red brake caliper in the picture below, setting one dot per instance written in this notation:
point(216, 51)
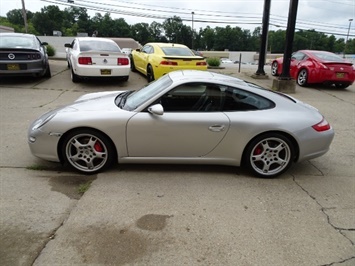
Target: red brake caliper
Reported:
point(258, 150)
point(98, 147)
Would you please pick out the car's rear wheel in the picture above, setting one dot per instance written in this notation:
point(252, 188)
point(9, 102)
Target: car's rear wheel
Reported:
point(269, 155)
point(302, 77)
point(74, 77)
point(342, 85)
point(88, 151)
point(274, 68)
point(150, 73)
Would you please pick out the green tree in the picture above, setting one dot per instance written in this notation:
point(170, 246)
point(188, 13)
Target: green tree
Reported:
point(15, 16)
point(122, 28)
point(49, 19)
point(207, 38)
point(140, 32)
point(172, 28)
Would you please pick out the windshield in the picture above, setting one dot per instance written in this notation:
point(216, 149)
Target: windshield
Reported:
point(141, 96)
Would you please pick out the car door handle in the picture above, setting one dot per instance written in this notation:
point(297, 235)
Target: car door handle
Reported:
point(217, 128)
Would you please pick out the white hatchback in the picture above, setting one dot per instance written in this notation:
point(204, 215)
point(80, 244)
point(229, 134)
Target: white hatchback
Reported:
point(96, 57)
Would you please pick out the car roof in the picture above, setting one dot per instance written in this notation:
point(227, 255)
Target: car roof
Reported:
point(207, 76)
point(94, 39)
point(163, 44)
point(16, 34)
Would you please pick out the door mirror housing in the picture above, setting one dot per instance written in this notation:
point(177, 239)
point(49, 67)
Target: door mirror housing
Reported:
point(156, 109)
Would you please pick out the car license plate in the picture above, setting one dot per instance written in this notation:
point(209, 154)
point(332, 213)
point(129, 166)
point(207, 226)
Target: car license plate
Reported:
point(105, 71)
point(340, 75)
point(13, 67)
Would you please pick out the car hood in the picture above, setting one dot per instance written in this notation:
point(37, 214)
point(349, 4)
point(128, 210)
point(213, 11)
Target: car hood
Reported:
point(98, 101)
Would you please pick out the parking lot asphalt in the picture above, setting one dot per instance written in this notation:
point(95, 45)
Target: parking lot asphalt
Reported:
point(172, 214)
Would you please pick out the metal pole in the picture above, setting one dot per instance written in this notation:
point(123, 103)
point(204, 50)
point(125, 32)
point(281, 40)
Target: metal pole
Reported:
point(347, 37)
point(266, 18)
point(192, 19)
point(24, 15)
point(291, 25)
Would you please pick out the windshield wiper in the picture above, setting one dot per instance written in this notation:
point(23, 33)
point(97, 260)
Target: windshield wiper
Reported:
point(121, 99)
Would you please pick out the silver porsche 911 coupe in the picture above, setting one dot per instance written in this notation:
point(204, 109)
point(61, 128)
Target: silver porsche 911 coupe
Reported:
point(185, 117)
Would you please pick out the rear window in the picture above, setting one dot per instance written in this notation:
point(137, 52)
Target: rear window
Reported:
point(179, 51)
point(328, 57)
point(17, 42)
point(99, 46)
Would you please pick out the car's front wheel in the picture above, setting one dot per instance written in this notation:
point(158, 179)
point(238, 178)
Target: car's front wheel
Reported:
point(150, 73)
point(48, 73)
point(269, 155)
point(88, 151)
point(274, 68)
point(133, 66)
point(302, 77)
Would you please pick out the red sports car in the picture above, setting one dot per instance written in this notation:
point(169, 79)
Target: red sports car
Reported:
point(312, 66)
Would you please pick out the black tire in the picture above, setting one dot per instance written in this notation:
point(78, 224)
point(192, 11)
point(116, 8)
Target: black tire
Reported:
point(74, 77)
point(269, 155)
point(342, 85)
point(133, 66)
point(125, 78)
point(274, 68)
point(150, 73)
point(88, 151)
point(68, 64)
point(48, 73)
point(302, 77)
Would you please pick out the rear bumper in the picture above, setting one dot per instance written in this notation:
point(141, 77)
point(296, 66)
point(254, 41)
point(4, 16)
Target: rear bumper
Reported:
point(96, 71)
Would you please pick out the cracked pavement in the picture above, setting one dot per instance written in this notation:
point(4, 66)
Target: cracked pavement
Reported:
point(172, 215)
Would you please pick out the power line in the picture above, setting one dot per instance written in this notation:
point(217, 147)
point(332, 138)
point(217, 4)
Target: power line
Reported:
point(200, 16)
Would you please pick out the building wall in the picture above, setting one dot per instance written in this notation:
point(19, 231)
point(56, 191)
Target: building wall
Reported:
point(6, 29)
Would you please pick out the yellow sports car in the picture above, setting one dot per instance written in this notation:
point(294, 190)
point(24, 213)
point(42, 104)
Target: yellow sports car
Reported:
point(157, 59)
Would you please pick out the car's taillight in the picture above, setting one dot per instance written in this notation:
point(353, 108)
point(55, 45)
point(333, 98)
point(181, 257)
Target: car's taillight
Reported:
point(201, 64)
point(168, 63)
point(122, 61)
point(320, 65)
point(85, 61)
point(322, 126)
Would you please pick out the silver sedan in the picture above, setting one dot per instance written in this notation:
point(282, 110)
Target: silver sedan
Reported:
point(185, 117)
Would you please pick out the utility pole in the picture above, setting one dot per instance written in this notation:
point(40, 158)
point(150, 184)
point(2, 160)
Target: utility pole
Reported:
point(347, 37)
point(24, 15)
point(193, 35)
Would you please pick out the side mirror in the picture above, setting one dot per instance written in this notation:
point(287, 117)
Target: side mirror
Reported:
point(67, 45)
point(156, 109)
point(138, 50)
point(44, 43)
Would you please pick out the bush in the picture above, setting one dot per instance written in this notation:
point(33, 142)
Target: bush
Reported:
point(213, 61)
point(50, 50)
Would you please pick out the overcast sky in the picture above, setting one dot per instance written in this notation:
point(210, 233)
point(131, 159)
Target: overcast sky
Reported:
point(328, 16)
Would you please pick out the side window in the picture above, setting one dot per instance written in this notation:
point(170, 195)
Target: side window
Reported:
point(298, 56)
point(193, 97)
point(241, 100)
point(147, 49)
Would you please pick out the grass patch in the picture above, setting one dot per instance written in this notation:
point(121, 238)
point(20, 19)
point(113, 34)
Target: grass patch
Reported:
point(84, 187)
point(36, 167)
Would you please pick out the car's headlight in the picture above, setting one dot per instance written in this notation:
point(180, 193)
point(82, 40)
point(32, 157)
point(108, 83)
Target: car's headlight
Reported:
point(42, 120)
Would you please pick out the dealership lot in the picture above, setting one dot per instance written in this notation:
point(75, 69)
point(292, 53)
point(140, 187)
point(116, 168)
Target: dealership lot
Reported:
point(171, 215)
